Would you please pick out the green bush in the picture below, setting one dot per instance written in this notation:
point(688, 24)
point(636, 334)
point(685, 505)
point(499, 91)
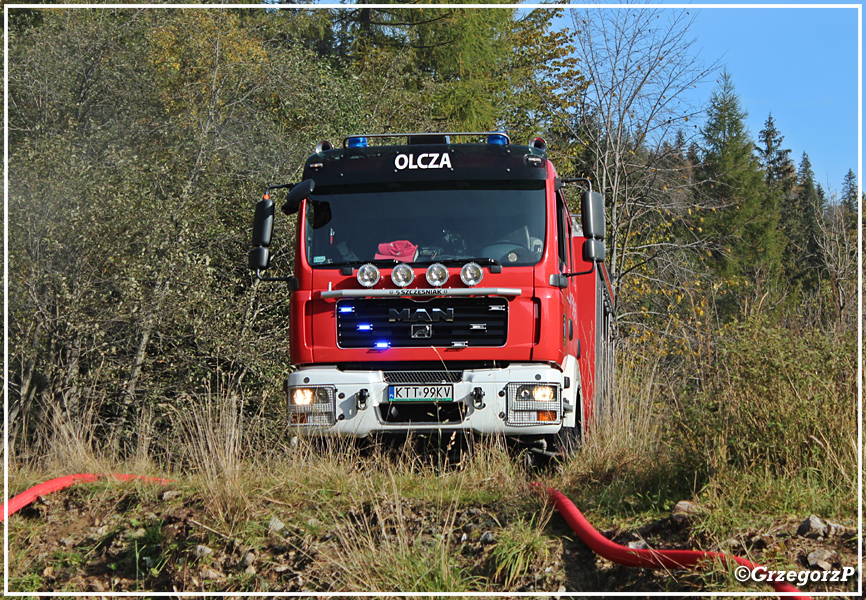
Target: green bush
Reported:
point(778, 401)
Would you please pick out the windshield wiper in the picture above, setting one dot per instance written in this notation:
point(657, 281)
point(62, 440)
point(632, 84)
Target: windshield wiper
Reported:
point(459, 261)
point(379, 262)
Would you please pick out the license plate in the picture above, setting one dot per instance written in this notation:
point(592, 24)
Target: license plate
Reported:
point(420, 393)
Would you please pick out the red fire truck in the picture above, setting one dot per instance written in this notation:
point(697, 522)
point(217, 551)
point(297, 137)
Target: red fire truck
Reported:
point(443, 286)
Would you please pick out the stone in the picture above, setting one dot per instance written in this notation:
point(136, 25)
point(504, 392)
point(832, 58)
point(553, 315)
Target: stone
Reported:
point(812, 527)
point(638, 545)
point(250, 570)
point(211, 574)
point(683, 511)
point(487, 538)
point(835, 529)
point(201, 551)
point(171, 495)
point(820, 559)
point(275, 525)
point(248, 559)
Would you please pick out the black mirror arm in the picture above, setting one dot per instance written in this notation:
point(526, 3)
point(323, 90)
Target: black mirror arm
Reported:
point(292, 280)
point(591, 269)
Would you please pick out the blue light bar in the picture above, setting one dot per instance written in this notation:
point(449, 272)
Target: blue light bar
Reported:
point(347, 309)
point(365, 327)
point(383, 345)
point(357, 142)
point(497, 139)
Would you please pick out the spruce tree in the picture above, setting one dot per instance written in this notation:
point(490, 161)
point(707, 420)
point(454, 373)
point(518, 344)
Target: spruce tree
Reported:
point(808, 205)
point(746, 217)
point(849, 197)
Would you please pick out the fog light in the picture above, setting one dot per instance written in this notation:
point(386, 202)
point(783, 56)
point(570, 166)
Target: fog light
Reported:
point(402, 275)
point(471, 274)
point(437, 274)
point(547, 415)
point(368, 275)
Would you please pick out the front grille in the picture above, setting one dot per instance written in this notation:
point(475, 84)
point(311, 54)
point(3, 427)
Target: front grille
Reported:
point(406, 323)
point(422, 377)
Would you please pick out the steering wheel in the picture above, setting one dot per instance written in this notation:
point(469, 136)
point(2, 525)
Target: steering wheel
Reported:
point(507, 251)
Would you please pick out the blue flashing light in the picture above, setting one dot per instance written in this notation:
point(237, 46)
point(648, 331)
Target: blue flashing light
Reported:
point(365, 327)
point(497, 139)
point(357, 142)
point(347, 309)
point(383, 345)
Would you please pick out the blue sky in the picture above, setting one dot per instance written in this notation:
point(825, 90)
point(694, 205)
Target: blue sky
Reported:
point(800, 64)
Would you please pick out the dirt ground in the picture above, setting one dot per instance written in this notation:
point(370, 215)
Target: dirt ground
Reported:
point(108, 538)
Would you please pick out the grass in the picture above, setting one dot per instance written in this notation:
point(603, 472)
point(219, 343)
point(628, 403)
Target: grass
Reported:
point(365, 517)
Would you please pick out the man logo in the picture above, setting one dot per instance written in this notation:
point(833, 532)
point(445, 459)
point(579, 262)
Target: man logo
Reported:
point(433, 160)
point(420, 315)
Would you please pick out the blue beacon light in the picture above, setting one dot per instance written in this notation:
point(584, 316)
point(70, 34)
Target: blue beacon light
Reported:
point(357, 142)
point(383, 345)
point(497, 139)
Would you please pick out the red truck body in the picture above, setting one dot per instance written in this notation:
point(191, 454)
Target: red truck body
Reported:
point(524, 351)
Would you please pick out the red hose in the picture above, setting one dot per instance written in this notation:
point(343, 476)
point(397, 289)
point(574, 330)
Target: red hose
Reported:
point(55, 485)
point(633, 557)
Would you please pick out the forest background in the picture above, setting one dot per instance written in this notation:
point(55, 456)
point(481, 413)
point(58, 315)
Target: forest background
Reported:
point(140, 139)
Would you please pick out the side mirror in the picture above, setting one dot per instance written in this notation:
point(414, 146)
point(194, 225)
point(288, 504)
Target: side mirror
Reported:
point(263, 227)
point(298, 194)
point(593, 250)
point(592, 215)
point(259, 259)
point(263, 222)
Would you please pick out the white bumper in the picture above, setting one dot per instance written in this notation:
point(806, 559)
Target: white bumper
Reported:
point(485, 401)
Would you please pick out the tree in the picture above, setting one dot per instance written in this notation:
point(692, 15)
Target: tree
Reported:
point(746, 213)
point(849, 195)
point(626, 128)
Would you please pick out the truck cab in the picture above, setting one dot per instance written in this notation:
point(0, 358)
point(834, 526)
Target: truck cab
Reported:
point(443, 285)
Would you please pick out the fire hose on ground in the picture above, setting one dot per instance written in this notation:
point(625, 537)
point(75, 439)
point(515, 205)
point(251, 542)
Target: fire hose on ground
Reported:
point(630, 557)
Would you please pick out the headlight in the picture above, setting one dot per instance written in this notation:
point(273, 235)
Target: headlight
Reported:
point(302, 397)
point(543, 393)
point(471, 274)
point(402, 275)
point(368, 275)
point(308, 396)
point(437, 274)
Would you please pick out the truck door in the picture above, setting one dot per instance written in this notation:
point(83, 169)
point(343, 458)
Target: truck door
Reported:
point(566, 263)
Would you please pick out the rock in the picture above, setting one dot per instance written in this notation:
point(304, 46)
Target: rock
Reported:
point(250, 570)
point(834, 529)
point(171, 495)
point(638, 545)
point(96, 586)
point(683, 511)
point(275, 525)
point(211, 574)
point(820, 559)
point(201, 551)
point(248, 559)
point(314, 522)
point(812, 527)
point(48, 572)
point(561, 589)
point(487, 538)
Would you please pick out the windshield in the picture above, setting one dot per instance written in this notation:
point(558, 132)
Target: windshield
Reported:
point(497, 221)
